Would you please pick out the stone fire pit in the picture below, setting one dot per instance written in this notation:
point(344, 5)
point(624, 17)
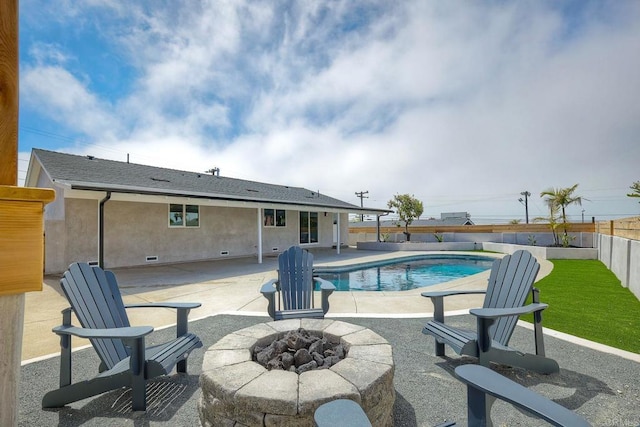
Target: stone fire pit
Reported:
point(236, 389)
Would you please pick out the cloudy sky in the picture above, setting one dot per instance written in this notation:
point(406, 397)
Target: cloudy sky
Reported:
point(464, 104)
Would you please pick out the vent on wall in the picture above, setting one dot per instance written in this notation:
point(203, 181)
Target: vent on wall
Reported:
point(92, 263)
point(152, 258)
point(274, 249)
point(224, 252)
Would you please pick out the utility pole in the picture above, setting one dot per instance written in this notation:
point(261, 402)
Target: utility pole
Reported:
point(362, 196)
point(526, 195)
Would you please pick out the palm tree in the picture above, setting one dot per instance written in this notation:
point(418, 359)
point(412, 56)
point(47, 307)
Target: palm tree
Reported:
point(552, 219)
point(560, 198)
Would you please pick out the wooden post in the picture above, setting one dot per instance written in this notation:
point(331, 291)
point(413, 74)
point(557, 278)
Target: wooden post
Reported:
point(11, 306)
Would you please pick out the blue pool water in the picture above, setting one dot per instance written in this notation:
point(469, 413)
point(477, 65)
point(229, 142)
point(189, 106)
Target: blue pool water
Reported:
point(406, 274)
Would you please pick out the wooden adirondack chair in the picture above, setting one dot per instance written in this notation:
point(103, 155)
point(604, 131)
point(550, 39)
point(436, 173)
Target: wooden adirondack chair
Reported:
point(290, 296)
point(510, 281)
point(125, 360)
point(485, 385)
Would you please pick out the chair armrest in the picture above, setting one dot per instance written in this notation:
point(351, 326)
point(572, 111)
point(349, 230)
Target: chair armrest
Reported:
point(122, 333)
point(494, 313)
point(182, 314)
point(481, 381)
point(437, 299)
point(269, 287)
point(440, 294)
point(326, 289)
point(177, 305)
point(325, 285)
point(485, 317)
point(268, 290)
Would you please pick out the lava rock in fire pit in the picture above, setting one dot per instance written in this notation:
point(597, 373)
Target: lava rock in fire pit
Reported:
point(299, 351)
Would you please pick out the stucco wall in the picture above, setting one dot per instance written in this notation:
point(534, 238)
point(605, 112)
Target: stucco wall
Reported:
point(634, 268)
point(81, 227)
point(622, 257)
point(135, 231)
point(278, 239)
point(55, 232)
point(70, 241)
point(605, 245)
point(580, 239)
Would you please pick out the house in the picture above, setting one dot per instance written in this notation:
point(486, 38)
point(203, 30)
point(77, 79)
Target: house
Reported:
point(446, 219)
point(120, 214)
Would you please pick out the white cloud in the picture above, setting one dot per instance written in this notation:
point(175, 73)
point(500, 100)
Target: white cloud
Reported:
point(55, 92)
point(464, 105)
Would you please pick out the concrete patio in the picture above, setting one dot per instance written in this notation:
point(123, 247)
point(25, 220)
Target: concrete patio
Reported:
point(597, 382)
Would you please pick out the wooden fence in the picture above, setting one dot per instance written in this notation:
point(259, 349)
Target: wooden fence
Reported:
point(628, 228)
point(577, 227)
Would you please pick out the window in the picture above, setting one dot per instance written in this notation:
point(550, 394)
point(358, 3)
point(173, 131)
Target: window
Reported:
point(274, 218)
point(308, 227)
point(184, 215)
point(192, 215)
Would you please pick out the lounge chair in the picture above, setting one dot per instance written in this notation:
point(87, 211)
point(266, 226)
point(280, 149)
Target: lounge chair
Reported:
point(125, 360)
point(510, 281)
point(291, 295)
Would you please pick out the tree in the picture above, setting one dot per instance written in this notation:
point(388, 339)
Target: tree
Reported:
point(560, 198)
point(408, 208)
point(636, 190)
point(552, 220)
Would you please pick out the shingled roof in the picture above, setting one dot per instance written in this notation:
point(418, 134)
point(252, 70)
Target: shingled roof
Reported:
point(95, 174)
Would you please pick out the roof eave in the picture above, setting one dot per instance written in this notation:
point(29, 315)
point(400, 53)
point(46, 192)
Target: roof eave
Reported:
point(114, 188)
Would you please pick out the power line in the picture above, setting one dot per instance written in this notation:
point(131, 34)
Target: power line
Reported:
point(362, 196)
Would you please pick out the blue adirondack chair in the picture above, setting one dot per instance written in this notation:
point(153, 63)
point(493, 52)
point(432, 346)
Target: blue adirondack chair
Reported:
point(510, 281)
point(291, 295)
point(340, 413)
point(483, 387)
point(95, 299)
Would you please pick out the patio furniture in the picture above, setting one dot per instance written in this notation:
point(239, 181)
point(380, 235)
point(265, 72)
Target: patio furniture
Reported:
point(125, 360)
point(484, 385)
point(340, 413)
point(510, 281)
point(291, 295)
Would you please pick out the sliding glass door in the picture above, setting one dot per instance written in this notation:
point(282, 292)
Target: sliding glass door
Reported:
point(308, 227)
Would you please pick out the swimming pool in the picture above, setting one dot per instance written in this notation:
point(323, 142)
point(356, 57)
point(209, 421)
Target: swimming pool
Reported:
point(405, 274)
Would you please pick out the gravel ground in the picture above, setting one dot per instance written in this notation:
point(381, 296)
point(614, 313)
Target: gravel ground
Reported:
point(603, 388)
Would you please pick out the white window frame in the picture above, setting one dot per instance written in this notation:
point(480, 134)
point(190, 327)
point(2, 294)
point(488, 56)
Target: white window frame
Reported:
point(309, 213)
point(273, 213)
point(183, 216)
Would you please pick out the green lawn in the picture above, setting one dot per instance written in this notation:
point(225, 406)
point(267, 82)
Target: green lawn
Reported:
point(587, 300)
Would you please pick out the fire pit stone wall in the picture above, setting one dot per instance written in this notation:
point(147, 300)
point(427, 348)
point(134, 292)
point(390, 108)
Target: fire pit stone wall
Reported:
point(236, 391)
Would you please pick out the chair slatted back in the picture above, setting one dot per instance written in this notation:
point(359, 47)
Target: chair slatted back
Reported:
point(96, 301)
point(295, 275)
point(510, 281)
